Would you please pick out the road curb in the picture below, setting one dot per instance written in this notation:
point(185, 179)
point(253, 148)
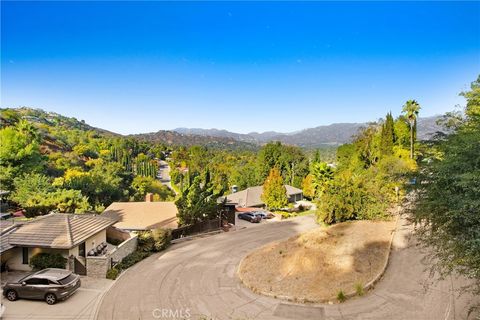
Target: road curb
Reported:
point(100, 299)
point(380, 274)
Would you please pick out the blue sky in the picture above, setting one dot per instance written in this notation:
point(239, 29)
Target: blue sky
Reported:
point(243, 66)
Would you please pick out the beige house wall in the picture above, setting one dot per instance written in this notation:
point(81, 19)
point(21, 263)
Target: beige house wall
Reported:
point(97, 267)
point(73, 251)
point(94, 241)
point(14, 256)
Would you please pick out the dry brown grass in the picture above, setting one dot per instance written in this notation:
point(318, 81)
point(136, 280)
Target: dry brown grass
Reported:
point(314, 266)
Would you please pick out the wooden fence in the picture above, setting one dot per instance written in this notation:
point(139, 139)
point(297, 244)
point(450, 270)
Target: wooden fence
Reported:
point(204, 226)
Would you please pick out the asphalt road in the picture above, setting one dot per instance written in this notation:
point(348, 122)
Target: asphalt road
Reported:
point(197, 280)
point(164, 174)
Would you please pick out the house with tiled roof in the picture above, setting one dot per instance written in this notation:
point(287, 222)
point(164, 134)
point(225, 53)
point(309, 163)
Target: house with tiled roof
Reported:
point(71, 235)
point(252, 197)
point(143, 215)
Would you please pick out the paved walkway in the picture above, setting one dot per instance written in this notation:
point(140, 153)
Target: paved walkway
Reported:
point(197, 279)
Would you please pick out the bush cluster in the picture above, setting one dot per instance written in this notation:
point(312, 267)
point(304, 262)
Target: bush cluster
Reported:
point(148, 242)
point(371, 174)
point(45, 260)
point(154, 240)
point(113, 273)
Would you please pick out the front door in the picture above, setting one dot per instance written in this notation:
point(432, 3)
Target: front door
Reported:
point(79, 267)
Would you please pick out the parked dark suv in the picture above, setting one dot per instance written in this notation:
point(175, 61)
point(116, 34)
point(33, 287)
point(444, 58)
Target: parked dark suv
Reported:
point(250, 216)
point(50, 285)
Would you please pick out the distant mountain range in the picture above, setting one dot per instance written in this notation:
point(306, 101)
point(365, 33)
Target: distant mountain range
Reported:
point(177, 138)
point(321, 136)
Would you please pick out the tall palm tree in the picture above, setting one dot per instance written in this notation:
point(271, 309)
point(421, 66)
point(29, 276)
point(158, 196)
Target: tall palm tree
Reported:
point(411, 109)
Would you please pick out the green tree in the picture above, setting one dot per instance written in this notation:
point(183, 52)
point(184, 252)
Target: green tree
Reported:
point(198, 202)
point(448, 203)
point(369, 171)
point(402, 132)
point(322, 174)
point(353, 197)
point(289, 160)
point(387, 136)
point(30, 184)
point(68, 201)
point(143, 185)
point(28, 130)
point(20, 153)
point(274, 192)
point(307, 187)
point(411, 109)
point(245, 174)
point(36, 195)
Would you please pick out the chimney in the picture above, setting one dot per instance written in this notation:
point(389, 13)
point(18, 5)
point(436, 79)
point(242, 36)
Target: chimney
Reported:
point(149, 197)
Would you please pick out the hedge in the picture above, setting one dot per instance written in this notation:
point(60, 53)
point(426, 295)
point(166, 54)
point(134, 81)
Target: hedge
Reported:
point(45, 260)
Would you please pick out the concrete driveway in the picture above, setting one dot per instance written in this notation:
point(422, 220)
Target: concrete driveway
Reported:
point(81, 305)
point(197, 280)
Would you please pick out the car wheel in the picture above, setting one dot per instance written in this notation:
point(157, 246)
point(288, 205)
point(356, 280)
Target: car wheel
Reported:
point(12, 295)
point(50, 298)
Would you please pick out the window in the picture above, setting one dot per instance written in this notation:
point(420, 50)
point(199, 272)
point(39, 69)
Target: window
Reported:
point(25, 255)
point(37, 281)
point(32, 281)
point(81, 249)
point(67, 279)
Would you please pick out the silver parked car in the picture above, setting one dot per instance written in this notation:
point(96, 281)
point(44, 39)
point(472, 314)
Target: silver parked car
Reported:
point(50, 285)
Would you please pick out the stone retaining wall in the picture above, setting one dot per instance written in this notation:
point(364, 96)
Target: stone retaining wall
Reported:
point(97, 267)
point(124, 249)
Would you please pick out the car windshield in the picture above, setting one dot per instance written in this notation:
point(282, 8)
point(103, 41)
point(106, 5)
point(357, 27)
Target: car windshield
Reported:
point(67, 279)
point(24, 278)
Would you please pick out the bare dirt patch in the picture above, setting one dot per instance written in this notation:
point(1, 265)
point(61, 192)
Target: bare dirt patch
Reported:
point(314, 266)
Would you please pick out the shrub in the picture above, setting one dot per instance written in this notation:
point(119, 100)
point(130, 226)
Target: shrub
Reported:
point(162, 238)
point(155, 240)
point(353, 197)
point(359, 289)
point(146, 241)
point(132, 259)
point(112, 273)
point(341, 296)
point(302, 208)
point(45, 260)
point(284, 214)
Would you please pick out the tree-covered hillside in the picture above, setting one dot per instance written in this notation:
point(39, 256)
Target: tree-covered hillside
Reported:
point(51, 162)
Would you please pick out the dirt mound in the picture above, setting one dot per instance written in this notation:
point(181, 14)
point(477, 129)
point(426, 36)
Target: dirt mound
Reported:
point(315, 265)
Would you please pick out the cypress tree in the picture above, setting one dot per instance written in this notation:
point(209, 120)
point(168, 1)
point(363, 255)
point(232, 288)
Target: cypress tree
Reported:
point(387, 136)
